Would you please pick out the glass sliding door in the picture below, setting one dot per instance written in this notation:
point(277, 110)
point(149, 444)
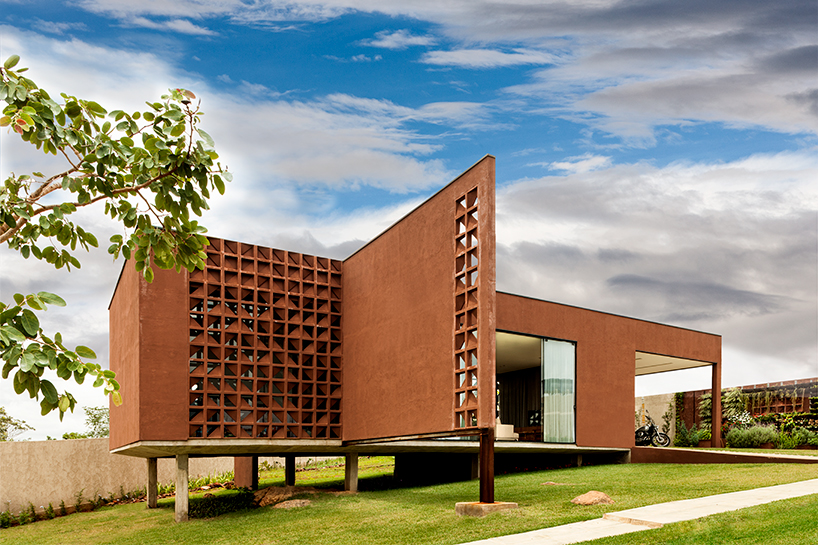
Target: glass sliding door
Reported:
point(558, 392)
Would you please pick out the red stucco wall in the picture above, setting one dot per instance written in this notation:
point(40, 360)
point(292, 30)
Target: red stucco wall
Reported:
point(399, 319)
point(149, 353)
point(606, 346)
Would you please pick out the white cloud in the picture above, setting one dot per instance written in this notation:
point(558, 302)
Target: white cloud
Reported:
point(399, 39)
point(486, 58)
point(624, 68)
point(177, 25)
point(55, 27)
point(725, 247)
point(580, 164)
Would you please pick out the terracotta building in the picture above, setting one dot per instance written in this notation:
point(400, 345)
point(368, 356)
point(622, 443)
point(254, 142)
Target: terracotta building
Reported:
point(398, 349)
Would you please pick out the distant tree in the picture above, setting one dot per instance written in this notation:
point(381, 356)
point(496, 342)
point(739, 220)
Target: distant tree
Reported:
point(11, 427)
point(152, 171)
point(96, 420)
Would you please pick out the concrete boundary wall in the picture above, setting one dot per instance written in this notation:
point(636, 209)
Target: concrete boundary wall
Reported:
point(52, 471)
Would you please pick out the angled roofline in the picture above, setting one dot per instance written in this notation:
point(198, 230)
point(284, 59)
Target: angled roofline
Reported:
point(415, 209)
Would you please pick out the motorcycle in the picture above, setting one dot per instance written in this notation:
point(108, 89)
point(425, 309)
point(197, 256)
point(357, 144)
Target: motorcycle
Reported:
point(649, 434)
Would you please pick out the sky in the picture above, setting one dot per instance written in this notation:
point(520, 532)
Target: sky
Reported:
point(655, 159)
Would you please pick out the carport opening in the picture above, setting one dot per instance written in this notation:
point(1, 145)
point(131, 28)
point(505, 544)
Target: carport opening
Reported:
point(658, 377)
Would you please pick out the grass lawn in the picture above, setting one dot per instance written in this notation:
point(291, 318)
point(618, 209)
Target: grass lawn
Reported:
point(763, 451)
point(786, 522)
point(413, 515)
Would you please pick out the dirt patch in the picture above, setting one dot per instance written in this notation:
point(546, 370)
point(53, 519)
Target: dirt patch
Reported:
point(292, 504)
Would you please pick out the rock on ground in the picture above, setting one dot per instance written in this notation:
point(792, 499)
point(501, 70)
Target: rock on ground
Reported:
point(594, 497)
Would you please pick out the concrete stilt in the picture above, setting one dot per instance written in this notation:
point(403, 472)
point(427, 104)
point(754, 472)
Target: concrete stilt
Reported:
point(351, 472)
point(152, 489)
point(181, 487)
point(289, 470)
point(578, 460)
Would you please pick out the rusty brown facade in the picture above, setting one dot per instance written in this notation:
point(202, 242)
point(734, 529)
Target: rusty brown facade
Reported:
point(267, 351)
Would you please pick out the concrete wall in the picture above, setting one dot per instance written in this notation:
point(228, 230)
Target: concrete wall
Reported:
point(50, 471)
point(656, 406)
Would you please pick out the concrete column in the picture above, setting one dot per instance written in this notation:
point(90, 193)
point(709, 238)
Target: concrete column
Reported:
point(181, 487)
point(715, 411)
point(474, 471)
point(245, 472)
point(351, 472)
point(578, 460)
point(153, 485)
point(289, 470)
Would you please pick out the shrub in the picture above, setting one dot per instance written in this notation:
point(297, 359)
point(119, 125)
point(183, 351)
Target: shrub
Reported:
point(751, 437)
point(49, 512)
point(63, 510)
point(705, 434)
point(685, 437)
point(7, 519)
point(802, 436)
point(78, 500)
point(785, 441)
point(221, 504)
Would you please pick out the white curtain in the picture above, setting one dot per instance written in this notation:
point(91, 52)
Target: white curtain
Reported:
point(558, 370)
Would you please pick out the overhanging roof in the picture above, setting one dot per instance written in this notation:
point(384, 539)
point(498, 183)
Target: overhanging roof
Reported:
point(648, 364)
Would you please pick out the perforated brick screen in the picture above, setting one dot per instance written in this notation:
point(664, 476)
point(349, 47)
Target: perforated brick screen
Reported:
point(265, 344)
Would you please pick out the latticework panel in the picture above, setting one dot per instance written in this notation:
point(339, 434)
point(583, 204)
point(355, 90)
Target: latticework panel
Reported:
point(265, 344)
point(466, 306)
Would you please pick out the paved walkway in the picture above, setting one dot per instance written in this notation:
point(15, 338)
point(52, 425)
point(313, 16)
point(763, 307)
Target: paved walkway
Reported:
point(654, 516)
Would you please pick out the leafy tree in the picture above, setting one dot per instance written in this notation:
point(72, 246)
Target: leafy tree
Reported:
point(151, 170)
point(96, 420)
point(11, 427)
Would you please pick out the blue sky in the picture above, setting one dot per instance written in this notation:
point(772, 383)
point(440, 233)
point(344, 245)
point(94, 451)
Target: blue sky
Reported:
point(654, 159)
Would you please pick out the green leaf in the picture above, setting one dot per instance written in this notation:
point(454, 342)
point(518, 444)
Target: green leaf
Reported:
point(51, 298)
point(85, 352)
point(19, 298)
point(11, 62)
point(64, 403)
point(30, 322)
point(206, 137)
point(116, 397)
point(13, 333)
point(27, 362)
point(49, 391)
point(20, 380)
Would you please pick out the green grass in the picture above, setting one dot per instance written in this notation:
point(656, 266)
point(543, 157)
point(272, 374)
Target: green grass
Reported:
point(786, 522)
point(763, 451)
point(411, 515)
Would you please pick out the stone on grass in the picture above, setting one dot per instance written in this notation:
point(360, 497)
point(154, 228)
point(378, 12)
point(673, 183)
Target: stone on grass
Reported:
point(594, 497)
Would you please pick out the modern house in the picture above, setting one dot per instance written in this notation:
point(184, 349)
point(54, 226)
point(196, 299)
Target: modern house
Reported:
point(399, 349)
